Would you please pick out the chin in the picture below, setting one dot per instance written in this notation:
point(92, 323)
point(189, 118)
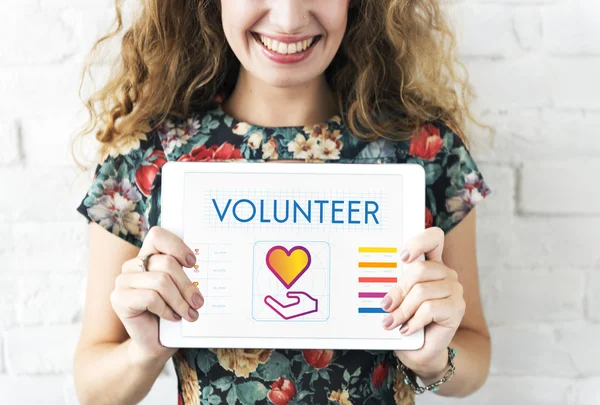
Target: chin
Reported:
point(284, 80)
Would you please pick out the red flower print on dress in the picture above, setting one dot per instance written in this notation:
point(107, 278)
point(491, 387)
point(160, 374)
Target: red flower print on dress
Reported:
point(282, 391)
point(380, 374)
point(318, 358)
point(146, 173)
point(428, 218)
point(215, 152)
point(427, 143)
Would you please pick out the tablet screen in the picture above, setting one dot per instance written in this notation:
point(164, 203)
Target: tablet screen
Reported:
point(292, 255)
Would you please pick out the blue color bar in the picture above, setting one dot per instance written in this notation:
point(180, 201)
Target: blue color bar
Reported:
point(371, 311)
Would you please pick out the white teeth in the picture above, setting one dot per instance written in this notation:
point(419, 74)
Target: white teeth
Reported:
point(284, 48)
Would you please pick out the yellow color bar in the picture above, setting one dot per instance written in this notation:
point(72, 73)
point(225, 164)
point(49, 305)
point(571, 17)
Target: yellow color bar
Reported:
point(377, 250)
point(386, 265)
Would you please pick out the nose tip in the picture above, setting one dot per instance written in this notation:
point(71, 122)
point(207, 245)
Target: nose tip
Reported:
point(289, 17)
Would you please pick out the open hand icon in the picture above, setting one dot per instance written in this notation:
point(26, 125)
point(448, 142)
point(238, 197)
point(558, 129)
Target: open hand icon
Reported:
point(302, 301)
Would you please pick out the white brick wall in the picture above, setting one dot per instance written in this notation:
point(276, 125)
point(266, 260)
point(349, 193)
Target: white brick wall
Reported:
point(534, 64)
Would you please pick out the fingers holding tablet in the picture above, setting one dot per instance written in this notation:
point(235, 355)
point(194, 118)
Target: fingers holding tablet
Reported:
point(162, 273)
point(162, 283)
point(159, 240)
point(131, 302)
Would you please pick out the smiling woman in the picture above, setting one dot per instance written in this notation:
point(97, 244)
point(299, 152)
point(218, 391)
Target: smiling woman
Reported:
point(267, 39)
point(348, 81)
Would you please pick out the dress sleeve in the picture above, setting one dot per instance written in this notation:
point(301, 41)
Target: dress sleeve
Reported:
point(454, 184)
point(124, 197)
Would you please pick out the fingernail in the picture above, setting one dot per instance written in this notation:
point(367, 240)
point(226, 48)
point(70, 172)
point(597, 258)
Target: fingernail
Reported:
point(404, 255)
point(388, 321)
point(404, 329)
point(193, 313)
point(176, 316)
point(191, 259)
point(385, 304)
point(197, 300)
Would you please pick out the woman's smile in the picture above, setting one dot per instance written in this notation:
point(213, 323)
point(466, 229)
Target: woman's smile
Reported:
point(286, 49)
point(285, 44)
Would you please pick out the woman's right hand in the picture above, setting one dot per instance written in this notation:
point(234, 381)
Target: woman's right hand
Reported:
point(165, 291)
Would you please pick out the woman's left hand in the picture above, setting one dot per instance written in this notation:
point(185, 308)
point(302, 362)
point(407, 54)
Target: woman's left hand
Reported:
point(427, 295)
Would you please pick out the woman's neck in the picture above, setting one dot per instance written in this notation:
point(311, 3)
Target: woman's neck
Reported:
point(257, 103)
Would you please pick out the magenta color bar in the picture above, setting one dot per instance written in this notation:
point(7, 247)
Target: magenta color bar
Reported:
point(371, 295)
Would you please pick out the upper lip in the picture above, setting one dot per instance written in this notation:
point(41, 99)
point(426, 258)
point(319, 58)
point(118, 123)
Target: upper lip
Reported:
point(287, 39)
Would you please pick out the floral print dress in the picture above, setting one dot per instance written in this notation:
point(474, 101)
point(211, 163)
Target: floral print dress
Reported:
point(124, 198)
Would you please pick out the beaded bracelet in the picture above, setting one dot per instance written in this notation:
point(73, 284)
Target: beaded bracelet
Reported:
point(410, 377)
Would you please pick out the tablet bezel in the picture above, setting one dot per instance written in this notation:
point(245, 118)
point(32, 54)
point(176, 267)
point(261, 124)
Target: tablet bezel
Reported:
point(172, 183)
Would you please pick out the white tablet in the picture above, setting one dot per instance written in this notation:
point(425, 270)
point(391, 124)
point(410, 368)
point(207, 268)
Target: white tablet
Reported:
point(292, 256)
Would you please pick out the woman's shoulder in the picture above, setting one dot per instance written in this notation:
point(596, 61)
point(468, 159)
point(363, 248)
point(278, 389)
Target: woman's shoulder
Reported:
point(161, 139)
point(122, 197)
point(137, 157)
point(454, 182)
point(204, 134)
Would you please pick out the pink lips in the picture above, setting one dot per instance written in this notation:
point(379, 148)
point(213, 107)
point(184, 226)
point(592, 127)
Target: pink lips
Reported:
point(287, 59)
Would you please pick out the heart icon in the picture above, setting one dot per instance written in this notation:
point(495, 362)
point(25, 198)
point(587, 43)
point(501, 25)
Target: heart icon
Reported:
point(195, 284)
point(196, 250)
point(288, 265)
point(196, 266)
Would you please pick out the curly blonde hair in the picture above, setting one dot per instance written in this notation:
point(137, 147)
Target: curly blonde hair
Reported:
point(394, 71)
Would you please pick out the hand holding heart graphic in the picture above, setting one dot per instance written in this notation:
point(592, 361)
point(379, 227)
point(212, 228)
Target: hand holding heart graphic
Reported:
point(288, 266)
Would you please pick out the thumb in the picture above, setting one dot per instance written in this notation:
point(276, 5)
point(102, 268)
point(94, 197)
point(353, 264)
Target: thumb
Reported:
point(430, 243)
